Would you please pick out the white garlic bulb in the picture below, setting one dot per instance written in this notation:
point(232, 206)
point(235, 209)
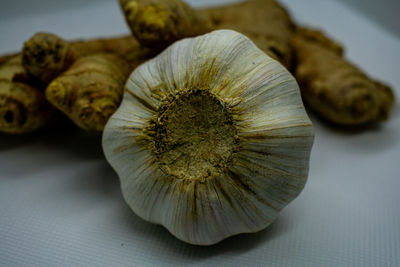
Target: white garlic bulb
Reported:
point(211, 138)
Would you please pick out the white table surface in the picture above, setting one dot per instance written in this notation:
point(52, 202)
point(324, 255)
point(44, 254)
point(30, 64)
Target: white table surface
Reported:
point(61, 205)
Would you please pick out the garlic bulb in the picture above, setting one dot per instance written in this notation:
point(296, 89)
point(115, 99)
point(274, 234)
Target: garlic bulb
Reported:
point(211, 138)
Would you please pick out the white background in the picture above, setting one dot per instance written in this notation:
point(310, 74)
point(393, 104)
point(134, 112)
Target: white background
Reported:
point(60, 202)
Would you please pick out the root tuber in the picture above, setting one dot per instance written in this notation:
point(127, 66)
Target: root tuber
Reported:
point(265, 22)
point(90, 90)
point(23, 107)
point(159, 23)
point(46, 56)
point(333, 87)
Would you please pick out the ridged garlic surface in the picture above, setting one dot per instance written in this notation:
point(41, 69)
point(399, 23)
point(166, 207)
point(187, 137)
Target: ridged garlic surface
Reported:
point(211, 138)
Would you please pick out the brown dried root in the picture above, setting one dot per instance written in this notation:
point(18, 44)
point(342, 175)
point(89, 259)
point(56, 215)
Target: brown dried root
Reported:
point(159, 23)
point(331, 86)
point(46, 56)
point(88, 93)
point(334, 88)
point(23, 107)
point(91, 90)
point(265, 22)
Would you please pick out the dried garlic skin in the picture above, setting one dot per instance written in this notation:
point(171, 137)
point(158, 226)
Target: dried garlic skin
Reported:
point(211, 138)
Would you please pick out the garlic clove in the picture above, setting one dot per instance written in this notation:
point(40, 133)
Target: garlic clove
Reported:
point(211, 138)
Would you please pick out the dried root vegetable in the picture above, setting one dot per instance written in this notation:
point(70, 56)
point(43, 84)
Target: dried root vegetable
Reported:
point(88, 93)
point(265, 22)
point(90, 90)
point(159, 23)
point(46, 56)
point(333, 87)
point(23, 107)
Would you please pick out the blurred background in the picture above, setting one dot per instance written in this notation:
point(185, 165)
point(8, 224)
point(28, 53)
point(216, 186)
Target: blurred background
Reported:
point(384, 12)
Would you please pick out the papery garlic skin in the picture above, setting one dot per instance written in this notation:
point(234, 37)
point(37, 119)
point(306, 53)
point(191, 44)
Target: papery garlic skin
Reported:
point(259, 147)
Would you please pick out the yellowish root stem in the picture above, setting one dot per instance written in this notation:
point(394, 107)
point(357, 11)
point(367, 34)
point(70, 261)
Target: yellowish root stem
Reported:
point(159, 23)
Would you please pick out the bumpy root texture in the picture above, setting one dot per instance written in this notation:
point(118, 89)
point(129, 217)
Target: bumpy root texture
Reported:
point(334, 88)
point(23, 107)
point(85, 85)
point(265, 22)
point(159, 23)
point(46, 56)
point(90, 90)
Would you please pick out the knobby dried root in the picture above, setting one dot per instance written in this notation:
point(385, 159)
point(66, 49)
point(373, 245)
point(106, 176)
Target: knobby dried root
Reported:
point(265, 22)
point(23, 107)
point(159, 23)
point(333, 87)
point(91, 90)
point(46, 55)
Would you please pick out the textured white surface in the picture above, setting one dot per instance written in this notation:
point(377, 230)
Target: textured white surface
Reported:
point(60, 202)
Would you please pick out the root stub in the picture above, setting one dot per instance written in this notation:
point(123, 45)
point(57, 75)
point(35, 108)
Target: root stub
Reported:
point(193, 135)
